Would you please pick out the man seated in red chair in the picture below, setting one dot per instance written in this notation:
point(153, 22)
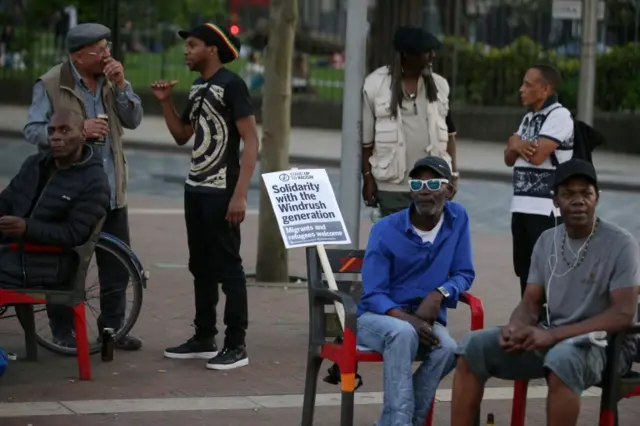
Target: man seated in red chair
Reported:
point(56, 199)
point(588, 272)
point(417, 263)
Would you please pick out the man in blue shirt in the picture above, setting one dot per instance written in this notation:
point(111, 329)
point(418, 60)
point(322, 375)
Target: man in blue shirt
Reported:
point(418, 262)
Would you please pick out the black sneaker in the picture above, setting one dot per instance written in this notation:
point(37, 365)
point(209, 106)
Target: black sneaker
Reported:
point(228, 359)
point(65, 341)
point(129, 343)
point(193, 348)
point(125, 343)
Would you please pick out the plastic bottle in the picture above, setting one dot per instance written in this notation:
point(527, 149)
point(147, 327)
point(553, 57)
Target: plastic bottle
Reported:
point(108, 344)
point(375, 215)
point(490, 420)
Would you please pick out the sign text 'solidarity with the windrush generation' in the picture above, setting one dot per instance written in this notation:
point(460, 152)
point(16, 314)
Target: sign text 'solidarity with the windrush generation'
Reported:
point(300, 202)
point(305, 207)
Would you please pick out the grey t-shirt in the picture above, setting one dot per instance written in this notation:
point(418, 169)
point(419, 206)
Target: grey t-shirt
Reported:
point(611, 262)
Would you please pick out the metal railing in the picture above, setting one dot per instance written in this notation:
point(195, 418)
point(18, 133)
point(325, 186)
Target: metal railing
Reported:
point(488, 46)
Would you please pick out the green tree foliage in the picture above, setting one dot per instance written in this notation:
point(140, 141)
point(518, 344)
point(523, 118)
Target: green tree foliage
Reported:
point(490, 76)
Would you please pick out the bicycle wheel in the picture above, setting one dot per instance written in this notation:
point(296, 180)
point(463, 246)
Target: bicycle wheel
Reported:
point(137, 280)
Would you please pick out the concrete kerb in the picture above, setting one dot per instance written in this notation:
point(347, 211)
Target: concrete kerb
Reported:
point(475, 174)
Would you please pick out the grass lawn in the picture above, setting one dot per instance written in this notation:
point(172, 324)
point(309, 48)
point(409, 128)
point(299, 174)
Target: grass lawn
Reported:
point(143, 68)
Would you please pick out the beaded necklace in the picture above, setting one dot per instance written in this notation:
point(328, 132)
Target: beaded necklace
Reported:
point(580, 257)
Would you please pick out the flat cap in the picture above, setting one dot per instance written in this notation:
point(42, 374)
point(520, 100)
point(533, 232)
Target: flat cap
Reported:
point(85, 35)
point(411, 39)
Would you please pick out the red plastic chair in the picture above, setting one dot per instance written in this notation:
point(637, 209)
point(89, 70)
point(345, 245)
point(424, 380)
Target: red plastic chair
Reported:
point(614, 386)
point(23, 300)
point(346, 354)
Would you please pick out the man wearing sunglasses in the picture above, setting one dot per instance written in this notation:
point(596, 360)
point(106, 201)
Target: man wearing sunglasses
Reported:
point(417, 263)
point(92, 84)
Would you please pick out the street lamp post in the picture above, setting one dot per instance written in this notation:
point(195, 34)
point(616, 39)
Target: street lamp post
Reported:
point(586, 93)
point(354, 72)
point(113, 22)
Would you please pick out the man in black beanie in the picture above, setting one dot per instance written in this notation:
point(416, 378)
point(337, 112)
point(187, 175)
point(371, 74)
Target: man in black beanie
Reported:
point(219, 114)
point(405, 116)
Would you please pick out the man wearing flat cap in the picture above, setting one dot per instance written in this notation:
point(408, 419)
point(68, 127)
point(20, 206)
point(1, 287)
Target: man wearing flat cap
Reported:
point(405, 116)
point(92, 84)
point(219, 114)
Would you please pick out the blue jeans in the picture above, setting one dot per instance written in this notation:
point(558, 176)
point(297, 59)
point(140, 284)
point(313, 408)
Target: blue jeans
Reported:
point(407, 395)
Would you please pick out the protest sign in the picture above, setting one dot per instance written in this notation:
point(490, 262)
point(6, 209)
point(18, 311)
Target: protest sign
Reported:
point(305, 207)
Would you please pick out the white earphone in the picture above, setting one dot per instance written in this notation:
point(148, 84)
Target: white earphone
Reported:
point(597, 338)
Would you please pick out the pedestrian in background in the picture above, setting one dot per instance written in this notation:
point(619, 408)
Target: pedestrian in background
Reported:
point(405, 117)
point(219, 113)
point(92, 83)
point(543, 141)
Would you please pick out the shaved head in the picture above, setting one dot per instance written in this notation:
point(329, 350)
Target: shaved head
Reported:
point(66, 134)
point(72, 118)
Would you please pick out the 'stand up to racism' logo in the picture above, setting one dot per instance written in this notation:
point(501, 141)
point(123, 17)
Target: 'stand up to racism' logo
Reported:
point(286, 177)
point(301, 175)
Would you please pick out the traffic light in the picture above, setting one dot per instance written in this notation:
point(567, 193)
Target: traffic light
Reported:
point(234, 24)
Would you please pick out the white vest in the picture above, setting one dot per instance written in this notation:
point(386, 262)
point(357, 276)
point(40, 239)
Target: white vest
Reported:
point(389, 158)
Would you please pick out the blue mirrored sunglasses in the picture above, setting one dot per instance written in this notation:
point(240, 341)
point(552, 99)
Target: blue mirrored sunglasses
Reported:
point(432, 184)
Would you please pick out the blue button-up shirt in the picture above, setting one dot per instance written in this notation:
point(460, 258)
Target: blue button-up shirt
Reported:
point(128, 108)
point(400, 270)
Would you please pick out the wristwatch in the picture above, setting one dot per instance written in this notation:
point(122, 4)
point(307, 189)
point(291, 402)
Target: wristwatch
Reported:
point(444, 292)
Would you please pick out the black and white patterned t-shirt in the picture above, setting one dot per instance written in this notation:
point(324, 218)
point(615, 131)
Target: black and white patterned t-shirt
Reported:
point(532, 184)
point(213, 109)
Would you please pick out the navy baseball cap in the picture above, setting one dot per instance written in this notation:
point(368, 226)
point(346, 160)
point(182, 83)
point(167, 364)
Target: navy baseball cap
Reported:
point(575, 168)
point(437, 165)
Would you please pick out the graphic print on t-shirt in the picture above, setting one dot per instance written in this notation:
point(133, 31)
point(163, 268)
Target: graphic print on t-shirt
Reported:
point(214, 107)
point(533, 184)
point(531, 126)
point(208, 168)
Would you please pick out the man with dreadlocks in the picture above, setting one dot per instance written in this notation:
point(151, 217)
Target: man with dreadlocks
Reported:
point(405, 117)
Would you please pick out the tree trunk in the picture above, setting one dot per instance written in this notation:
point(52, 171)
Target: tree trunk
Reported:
point(387, 16)
point(272, 264)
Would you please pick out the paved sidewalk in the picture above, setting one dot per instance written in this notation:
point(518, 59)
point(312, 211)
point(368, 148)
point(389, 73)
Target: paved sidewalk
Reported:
point(142, 388)
point(476, 159)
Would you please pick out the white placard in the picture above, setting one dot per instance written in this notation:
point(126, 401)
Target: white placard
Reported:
point(572, 9)
point(306, 208)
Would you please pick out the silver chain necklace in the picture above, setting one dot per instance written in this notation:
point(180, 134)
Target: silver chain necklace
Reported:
point(580, 256)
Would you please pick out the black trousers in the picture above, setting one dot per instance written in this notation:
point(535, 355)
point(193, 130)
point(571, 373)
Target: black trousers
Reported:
point(113, 278)
point(214, 257)
point(525, 230)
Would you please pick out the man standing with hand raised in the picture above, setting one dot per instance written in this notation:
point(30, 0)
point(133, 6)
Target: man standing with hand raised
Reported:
point(92, 84)
point(219, 114)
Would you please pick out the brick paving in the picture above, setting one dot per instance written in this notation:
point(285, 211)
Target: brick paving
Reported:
point(277, 342)
point(365, 415)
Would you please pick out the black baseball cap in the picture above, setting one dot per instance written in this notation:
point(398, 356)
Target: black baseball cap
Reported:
point(436, 164)
point(575, 168)
point(228, 45)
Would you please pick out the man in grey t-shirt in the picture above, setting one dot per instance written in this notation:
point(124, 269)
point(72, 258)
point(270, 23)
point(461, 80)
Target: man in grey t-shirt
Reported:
point(588, 271)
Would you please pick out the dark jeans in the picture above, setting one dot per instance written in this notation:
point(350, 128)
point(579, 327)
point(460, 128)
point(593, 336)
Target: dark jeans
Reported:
point(214, 257)
point(526, 229)
point(113, 277)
